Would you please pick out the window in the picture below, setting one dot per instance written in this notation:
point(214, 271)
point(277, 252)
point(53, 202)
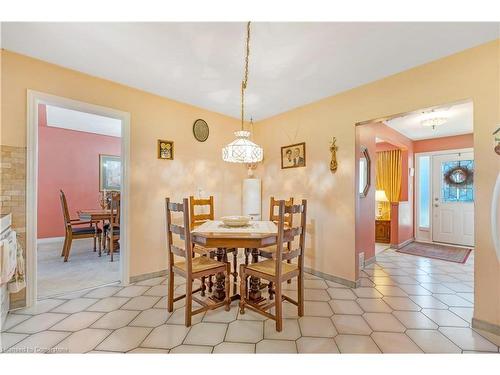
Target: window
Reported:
point(424, 189)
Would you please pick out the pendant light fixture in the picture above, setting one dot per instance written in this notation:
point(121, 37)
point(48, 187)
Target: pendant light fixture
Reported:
point(242, 149)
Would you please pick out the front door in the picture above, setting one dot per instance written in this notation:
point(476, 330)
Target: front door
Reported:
point(453, 199)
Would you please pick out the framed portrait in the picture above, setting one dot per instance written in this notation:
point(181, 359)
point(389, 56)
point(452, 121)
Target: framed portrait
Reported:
point(110, 171)
point(293, 156)
point(165, 149)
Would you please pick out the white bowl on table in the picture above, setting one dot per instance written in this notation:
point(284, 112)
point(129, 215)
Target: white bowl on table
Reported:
point(236, 221)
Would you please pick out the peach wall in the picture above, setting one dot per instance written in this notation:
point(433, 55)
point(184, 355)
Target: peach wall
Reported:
point(196, 165)
point(471, 74)
point(444, 143)
point(67, 160)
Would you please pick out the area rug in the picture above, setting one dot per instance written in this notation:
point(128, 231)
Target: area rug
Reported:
point(447, 253)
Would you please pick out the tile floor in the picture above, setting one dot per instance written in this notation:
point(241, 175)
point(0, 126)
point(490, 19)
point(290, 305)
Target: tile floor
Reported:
point(84, 269)
point(406, 304)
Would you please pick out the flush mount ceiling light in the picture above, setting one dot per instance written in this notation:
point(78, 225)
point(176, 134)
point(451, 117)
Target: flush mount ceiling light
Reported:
point(434, 122)
point(242, 149)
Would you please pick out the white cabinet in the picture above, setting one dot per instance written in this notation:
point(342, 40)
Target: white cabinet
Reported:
point(252, 198)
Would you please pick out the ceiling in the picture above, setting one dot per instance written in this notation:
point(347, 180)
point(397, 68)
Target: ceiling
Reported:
point(81, 121)
point(291, 64)
point(459, 121)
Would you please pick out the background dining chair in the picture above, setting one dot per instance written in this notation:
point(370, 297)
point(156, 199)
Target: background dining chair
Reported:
point(74, 229)
point(276, 270)
point(197, 219)
point(191, 267)
point(113, 228)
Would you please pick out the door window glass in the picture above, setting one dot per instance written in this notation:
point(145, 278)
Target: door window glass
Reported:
point(458, 181)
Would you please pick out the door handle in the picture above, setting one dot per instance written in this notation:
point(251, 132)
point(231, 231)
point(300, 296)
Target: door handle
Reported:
point(436, 205)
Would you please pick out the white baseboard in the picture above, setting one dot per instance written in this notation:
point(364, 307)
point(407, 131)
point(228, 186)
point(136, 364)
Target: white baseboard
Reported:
point(50, 240)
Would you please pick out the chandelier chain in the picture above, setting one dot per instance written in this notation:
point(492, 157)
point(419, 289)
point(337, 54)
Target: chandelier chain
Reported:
point(245, 77)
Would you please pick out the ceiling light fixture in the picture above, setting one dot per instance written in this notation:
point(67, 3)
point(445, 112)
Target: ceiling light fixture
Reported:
point(242, 149)
point(434, 122)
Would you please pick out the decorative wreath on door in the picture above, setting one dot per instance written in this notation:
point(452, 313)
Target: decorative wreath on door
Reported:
point(459, 176)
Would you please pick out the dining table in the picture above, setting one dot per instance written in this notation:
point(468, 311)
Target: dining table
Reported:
point(251, 237)
point(98, 215)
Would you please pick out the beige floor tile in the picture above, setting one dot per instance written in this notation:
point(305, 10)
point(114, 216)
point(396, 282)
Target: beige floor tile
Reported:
point(333, 284)
point(467, 296)
point(276, 346)
point(13, 320)
point(157, 291)
point(436, 288)
point(206, 334)
point(9, 339)
point(341, 293)
point(141, 303)
point(364, 292)
point(495, 339)
point(151, 282)
point(150, 318)
point(405, 280)
point(315, 284)
point(453, 300)
point(252, 315)
point(78, 321)
point(316, 345)
point(246, 331)
point(115, 319)
point(414, 320)
point(192, 349)
point(220, 315)
point(414, 290)
point(390, 342)
point(75, 305)
point(312, 308)
point(466, 313)
point(234, 348)
point(401, 303)
point(41, 306)
point(148, 351)
point(467, 339)
point(83, 341)
point(316, 295)
point(345, 307)
point(124, 339)
point(132, 291)
point(316, 327)
point(428, 302)
point(166, 337)
point(178, 317)
point(38, 323)
point(103, 292)
point(351, 324)
point(373, 305)
point(391, 291)
point(108, 304)
point(291, 330)
point(356, 344)
point(383, 322)
point(40, 342)
point(445, 318)
point(432, 341)
point(383, 280)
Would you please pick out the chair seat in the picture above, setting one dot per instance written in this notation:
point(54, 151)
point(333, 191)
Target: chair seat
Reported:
point(85, 230)
point(200, 264)
point(272, 249)
point(269, 267)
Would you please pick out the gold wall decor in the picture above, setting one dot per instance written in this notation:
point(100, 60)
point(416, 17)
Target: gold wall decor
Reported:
point(165, 150)
point(333, 150)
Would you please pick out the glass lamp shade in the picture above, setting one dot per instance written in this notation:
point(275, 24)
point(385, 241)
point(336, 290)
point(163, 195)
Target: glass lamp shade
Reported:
point(434, 122)
point(242, 150)
point(380, 196)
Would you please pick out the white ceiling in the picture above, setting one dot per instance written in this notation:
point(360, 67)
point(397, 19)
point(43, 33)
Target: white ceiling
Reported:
point(81, 121)
point(291, 64)
point(460, 121)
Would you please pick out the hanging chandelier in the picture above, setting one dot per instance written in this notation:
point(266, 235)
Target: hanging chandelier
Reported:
point(434, 122)
point(242, 149)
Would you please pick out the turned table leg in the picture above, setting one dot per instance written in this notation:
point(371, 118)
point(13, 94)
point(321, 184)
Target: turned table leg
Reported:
point(220, 292)
point(254, 293)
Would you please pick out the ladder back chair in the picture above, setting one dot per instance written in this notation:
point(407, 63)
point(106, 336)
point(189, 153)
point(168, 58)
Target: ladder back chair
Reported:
point(197, 219)
point(276, 270)
point(191, 267)
point(113, 229)
point(73, 229)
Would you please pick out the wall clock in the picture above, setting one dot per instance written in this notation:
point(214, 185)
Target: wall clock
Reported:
point(201, 130)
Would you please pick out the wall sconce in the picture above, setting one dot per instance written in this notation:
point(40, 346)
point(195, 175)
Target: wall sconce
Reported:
point(333, 150)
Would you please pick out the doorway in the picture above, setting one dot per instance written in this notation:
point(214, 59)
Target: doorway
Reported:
point(59, 164)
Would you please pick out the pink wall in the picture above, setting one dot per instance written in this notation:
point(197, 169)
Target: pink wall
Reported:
point(444, 143)
point(67, 160)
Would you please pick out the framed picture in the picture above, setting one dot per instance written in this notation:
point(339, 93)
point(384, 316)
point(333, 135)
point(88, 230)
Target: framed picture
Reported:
point(293, 156)
point(110, 171)
point(165, 149)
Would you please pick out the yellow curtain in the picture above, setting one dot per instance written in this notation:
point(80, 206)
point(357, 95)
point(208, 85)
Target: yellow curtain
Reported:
point(389, 176)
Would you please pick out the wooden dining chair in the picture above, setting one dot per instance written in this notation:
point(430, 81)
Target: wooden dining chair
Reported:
point(74, 229)
point(268, 252)
point(278, 271)
point(113, 228)
point(192, 267)
point(197, 219)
